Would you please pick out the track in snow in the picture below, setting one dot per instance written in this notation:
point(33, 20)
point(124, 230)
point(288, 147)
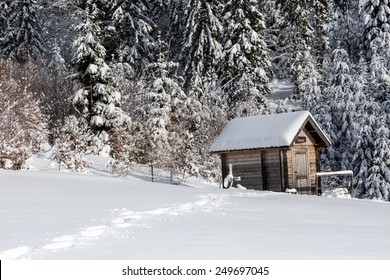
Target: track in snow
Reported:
point(123, 219)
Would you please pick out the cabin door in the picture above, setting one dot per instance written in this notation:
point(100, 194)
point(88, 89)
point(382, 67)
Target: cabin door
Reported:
point(301, 170)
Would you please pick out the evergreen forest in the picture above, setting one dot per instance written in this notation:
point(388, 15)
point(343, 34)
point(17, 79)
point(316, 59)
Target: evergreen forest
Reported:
point(155, 81)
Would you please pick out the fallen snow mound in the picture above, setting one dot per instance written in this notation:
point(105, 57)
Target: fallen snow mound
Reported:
point(336, 192)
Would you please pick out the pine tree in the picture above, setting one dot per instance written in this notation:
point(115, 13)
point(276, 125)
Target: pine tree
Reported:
point(245, 63)
point(378, 181)
point(165, 110)
point(376, 18)
point(364, 145)
point(97, 100)
point(58, 21)
point(3, 16)
point(378, 176)
point(307, 80)
point(58, 88)
point(22, 37)
point(321, 20)
point(295, 35)
point(199, 31)
point(363, 123)
point(343, 112)
point(379, 68)
point(346, 27)
point(133, 34)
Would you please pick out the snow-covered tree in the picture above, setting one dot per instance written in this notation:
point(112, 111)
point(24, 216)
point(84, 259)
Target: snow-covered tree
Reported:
point(295, 34)
point(56, 88)
point(307, 80)
point(3, 16)
point(98, 99)
point(198, 31)
point(378, 181)
point(376, 20)
point(58, 21)
point(133, 34)
point(22, 36)
point(343, 104)
point(346, 26)
point(122, 145)
point(71, 144)
point(364, 145)
point(380, 68)
point(165, 110)
point(22, 123)
point(321, 18)
point(245, 64)
point(377, 178)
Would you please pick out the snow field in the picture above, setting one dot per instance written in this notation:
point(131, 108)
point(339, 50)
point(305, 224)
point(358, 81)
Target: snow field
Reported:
point(60, 215)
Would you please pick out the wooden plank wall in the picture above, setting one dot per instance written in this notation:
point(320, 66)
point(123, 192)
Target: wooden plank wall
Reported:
point(312, 161)
point(272, 170)
point(259, 170)
point(247, 165)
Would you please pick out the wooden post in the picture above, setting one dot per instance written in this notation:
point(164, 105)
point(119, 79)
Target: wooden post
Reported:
point(351, 186)
point(151, 170)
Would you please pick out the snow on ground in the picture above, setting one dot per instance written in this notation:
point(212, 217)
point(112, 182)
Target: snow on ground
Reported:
point(48, 214)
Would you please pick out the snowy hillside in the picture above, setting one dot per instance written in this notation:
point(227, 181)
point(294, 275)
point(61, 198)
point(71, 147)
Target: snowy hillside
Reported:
point(47, 214)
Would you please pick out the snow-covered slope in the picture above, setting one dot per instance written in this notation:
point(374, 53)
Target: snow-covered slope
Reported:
point(58, 215)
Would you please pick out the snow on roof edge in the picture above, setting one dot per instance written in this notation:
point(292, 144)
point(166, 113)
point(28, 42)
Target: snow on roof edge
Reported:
point(264, 131)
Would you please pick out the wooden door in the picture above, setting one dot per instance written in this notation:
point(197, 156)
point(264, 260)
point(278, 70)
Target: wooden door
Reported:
point(301, 171)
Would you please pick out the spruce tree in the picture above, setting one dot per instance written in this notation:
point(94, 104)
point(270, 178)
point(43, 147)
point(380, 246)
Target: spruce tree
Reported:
point(346, 27)
point(378, 177)
point(307, 80)
point(245, 63)
point(3, 16)
point(376, 19)
point(364, 146)
point(58, 88)
point(343, 112)
point(321, 19)
point(133, 41)
point(97, 100)
point(22, 36)
point(198, 31)
point(295, 35)
point(165, 110)
point(378, 181)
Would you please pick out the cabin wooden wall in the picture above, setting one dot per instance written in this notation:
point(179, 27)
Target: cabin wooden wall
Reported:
point(272, 172)
point(258, 169)
point(246, 164)
point(312, 162)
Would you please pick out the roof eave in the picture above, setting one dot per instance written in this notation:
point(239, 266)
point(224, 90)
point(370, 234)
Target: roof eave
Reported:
point(248, 149)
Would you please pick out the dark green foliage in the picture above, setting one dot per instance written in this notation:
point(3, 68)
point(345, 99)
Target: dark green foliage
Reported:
point(21, 31)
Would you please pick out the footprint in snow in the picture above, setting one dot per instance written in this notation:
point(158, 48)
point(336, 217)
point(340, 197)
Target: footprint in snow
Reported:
point(15, 253)
point(93, 232)
point(61, 242)
point(120, 222)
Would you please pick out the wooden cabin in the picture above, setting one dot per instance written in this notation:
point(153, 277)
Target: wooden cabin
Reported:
point(278, 152)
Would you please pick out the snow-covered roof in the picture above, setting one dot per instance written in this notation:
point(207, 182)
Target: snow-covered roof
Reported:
point(267, 131)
